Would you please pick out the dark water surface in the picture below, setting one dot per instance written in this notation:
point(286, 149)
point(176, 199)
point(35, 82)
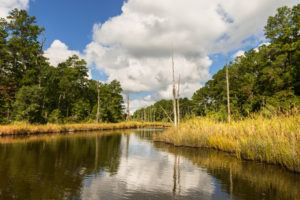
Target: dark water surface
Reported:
point(128, 165)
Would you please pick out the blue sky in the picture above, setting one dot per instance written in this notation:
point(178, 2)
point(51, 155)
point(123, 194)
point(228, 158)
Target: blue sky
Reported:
point(131, 41)
point(72, 20)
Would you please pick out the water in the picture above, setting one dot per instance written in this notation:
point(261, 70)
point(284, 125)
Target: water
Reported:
point(128, 165)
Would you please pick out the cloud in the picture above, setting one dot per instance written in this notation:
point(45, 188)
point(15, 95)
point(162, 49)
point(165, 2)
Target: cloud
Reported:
point(7, 5)
point(135, 47)
point(133, 180)
point(141, 102)
point(260, 45)
point(238, 54)
point(59, 52)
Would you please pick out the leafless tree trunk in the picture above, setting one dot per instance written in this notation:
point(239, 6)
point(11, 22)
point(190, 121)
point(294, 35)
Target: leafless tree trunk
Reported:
point(174, 93)
point(228, 95)
point(128, 109)
point(167, 114)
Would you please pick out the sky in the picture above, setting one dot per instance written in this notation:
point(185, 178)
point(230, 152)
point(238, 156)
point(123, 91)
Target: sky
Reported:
point(133, 40)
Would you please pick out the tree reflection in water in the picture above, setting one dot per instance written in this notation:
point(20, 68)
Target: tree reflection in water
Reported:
point(55, 168)
point(241, 179)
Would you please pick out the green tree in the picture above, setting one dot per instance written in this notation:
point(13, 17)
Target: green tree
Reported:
point(265, 80)
point(5, 86)
point(72, 83)
point(29, 104)
point(26, 50)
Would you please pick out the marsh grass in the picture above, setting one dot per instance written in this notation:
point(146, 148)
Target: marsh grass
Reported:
point(30, 129)
point(275, 141)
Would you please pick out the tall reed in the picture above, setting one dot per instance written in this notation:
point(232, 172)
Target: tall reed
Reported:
point(275, 140)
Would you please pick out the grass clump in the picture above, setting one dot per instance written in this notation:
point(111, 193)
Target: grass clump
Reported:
point(275, 141)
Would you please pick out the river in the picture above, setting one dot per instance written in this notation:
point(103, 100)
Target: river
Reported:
point(128, 165)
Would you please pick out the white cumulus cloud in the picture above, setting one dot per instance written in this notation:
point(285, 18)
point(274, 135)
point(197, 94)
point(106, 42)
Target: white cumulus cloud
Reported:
point(59, 52)
point(7, 5)
point(135, 47)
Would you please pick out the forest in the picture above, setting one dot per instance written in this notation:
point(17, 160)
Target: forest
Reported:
point(265, 80)
point(33, 91)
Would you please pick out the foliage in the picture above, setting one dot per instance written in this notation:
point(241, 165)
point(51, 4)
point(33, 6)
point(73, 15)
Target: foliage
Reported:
point(264, 79)
point(36, 92)
point(29, 104)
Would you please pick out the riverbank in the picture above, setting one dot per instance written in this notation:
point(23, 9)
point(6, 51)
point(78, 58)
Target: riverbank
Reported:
point(29, 129)
point(274, 141)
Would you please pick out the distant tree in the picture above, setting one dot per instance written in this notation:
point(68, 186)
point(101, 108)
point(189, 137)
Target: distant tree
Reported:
point(163, 111)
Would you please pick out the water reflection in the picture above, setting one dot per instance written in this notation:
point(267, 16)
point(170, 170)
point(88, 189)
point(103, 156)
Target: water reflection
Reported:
point(145, 172)
point(127, 165)
point(54, 168)
point(242, 179)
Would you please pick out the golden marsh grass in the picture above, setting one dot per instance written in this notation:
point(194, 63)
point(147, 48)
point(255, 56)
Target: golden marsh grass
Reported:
point(29, 129)
point(275, 141)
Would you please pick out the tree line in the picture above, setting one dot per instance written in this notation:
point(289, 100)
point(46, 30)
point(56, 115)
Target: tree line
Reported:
point(163, 111)
point(265, 79)
point(34, 91)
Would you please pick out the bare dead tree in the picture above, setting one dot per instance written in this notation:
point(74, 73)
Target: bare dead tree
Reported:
point(128, 108)
point(174, 93)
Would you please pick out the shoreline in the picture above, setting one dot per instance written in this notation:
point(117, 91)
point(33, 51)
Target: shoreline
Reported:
point(24, 129)
point(273, 141)
point(229, 153)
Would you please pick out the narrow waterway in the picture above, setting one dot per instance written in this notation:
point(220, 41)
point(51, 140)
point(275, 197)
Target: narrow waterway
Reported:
point(128, 165)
